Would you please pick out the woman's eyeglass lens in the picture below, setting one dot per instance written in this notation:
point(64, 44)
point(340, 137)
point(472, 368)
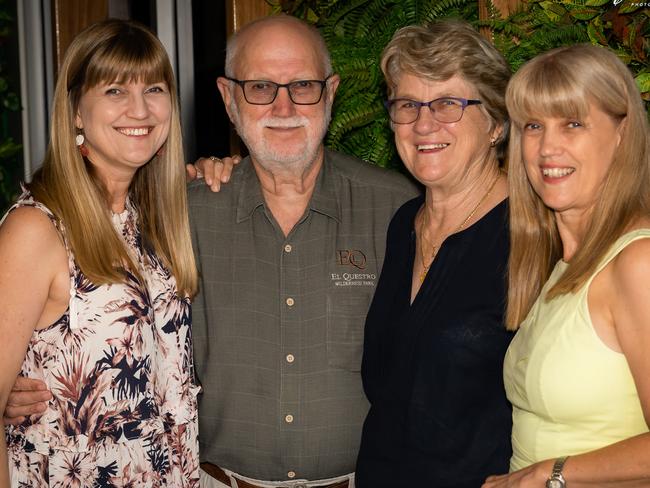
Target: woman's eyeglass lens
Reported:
point(446, 109)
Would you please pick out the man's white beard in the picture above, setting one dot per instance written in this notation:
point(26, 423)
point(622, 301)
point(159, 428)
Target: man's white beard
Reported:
point(274, 161)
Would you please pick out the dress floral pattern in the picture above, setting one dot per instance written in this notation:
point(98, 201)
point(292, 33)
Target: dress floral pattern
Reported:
point(119, 365)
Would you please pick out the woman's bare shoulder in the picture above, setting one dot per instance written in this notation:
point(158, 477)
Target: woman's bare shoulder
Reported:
point(31, 230)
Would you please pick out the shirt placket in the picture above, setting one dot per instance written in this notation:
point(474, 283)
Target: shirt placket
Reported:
point(290, 352)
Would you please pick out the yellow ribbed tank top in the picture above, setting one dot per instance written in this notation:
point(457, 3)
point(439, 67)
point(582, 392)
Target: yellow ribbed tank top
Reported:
point(570, 392)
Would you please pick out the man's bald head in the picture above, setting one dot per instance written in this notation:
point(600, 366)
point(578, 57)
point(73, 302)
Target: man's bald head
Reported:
point(261, 30)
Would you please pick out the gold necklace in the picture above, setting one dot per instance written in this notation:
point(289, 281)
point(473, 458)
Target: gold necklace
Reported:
point(436, 248)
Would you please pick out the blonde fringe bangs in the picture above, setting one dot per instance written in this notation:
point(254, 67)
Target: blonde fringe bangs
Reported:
point(550, 92)
point(557, 85)
point(121, 62)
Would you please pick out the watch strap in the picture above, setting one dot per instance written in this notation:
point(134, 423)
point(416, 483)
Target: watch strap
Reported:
point(558, 465)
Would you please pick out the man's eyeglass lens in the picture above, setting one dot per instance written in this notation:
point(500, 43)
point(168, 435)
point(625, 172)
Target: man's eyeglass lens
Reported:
point(301, 92)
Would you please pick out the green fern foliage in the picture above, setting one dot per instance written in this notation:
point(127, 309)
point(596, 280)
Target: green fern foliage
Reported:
point(544, 24)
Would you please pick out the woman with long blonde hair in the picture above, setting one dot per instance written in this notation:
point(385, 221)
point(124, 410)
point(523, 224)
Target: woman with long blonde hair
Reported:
point(578, 370)
point(97, 272)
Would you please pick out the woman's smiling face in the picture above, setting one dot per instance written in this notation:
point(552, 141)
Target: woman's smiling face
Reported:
point(124, 124)
point(567, 160)
point(438, 153)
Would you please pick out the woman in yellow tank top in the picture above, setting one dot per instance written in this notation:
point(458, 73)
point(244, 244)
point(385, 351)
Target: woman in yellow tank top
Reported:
point(578, 369)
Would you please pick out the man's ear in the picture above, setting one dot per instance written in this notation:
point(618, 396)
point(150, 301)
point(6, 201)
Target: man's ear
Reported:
point(332, 86)
point(225, 86)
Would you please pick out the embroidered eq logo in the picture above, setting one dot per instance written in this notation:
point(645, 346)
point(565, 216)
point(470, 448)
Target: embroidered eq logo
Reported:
point(351, 257)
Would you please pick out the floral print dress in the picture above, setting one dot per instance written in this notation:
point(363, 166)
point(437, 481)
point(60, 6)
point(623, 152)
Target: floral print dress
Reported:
point(119, 365)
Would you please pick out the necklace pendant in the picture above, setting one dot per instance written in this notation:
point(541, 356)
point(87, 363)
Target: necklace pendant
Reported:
point(424, 273)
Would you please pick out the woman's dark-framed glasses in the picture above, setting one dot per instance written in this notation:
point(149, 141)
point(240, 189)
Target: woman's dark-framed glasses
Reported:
point(263, 92)
point(445, 109)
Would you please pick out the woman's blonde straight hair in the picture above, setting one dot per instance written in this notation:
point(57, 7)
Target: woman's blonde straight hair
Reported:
point(566, 82)
point(107, 52)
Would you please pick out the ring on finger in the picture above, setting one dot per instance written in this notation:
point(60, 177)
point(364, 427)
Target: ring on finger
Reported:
point(215, 159)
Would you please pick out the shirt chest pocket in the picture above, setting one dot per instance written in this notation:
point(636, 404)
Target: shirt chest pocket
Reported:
point(346, 316)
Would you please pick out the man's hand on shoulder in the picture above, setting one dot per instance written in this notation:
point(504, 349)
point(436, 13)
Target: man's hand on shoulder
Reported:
point(213, 170)
point(27, 397)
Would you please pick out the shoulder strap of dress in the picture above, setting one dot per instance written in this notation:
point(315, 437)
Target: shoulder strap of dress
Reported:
point(620, 244)
point(27, 200)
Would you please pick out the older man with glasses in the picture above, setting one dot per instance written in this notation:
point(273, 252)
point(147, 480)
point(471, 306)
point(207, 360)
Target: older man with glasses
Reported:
point(289, 256)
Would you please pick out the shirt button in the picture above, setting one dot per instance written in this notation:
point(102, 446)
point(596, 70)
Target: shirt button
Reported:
point(291, 474)
point(290, 301)
point(287, 248)
point(288, 419)
point(290, 358)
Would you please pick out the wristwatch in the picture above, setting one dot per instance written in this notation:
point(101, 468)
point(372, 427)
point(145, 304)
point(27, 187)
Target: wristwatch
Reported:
point(557, 480)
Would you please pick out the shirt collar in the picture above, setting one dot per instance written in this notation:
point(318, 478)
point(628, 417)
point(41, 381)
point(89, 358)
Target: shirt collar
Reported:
point(324, 200)
point(250, 195)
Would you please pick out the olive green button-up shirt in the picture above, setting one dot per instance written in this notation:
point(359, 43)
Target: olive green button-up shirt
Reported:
point(278, 323)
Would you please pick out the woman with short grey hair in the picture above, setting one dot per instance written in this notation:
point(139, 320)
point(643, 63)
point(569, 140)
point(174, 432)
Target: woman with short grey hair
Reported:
point(434, 336)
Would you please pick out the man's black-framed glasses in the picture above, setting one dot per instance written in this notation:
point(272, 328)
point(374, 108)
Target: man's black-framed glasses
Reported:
point(264, 92)
point(445, 109)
